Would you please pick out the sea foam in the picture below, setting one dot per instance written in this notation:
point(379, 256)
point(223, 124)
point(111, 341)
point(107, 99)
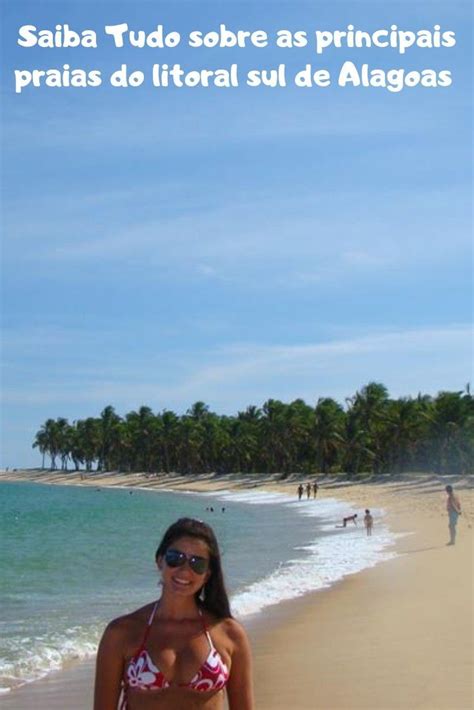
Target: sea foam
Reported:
point(334, 553)
point(315, 554)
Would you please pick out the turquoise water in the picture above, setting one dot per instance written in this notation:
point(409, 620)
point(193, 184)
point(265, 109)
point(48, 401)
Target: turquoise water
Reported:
point(72, 558)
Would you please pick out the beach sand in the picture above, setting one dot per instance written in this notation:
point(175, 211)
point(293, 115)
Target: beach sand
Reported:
point(397, 636)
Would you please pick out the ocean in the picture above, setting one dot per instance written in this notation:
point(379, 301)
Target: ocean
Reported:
point(72, 558)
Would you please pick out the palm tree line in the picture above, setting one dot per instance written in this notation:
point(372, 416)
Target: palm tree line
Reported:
point(371, 433)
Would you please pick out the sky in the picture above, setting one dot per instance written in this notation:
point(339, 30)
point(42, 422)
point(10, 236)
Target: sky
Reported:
point(164, 246)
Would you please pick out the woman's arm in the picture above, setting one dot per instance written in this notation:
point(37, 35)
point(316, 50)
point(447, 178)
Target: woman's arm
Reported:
point(240, 684)
point(109, 669)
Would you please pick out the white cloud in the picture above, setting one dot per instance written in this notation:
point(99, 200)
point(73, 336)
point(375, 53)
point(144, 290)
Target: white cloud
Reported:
point(301, 240)
point(229, 377)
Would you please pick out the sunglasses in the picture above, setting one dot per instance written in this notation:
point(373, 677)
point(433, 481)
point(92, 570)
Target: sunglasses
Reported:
point(176, 558)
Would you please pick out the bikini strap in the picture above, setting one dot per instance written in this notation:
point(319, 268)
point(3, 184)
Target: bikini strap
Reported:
point(152, 615)
point(206, 630)
point(148, 626)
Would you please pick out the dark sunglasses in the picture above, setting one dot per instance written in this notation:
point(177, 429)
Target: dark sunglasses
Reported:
point(176, 558)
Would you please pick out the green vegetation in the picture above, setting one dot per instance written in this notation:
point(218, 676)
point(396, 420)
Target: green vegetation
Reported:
point(371, 434)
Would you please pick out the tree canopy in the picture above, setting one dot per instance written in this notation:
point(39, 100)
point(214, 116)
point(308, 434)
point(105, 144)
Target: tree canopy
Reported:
point(370, 433)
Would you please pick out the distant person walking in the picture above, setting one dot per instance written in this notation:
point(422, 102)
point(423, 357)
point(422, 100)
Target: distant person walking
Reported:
point(308, 490)
point(368, 522)
point(453, 506)
point(300, 490)
point(315, 489)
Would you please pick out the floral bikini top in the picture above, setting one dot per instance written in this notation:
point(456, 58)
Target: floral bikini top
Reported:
point(141, 672)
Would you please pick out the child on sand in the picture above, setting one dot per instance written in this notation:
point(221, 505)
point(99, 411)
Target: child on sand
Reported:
point(368, 522)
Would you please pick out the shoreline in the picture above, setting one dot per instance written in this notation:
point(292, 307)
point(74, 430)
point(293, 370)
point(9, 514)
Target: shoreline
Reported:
point(398, 635)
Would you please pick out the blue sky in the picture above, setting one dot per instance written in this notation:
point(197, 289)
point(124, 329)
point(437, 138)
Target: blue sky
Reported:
point(167, 246)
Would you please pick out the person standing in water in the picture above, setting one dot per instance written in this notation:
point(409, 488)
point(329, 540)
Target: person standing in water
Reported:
point(315, 489)
point(368, 522)
point(453, 506)
point(300, 490)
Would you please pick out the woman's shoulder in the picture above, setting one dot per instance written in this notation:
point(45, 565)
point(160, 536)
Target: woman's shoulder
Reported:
point(125, 625)
point(231, 628)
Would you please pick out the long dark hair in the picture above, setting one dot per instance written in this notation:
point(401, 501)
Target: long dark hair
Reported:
point(213, 595)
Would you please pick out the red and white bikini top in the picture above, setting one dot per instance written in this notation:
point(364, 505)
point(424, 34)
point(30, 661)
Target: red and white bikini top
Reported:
point(142, 673)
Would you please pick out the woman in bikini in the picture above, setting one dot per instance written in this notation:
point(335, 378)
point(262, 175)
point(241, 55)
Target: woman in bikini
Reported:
point(185, 650)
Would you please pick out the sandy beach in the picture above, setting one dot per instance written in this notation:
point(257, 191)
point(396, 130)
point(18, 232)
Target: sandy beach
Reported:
point(397, 636)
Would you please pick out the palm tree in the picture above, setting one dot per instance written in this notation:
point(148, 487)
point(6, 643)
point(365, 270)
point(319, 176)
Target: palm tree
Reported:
point(168, 433)
point(374, 434)
point(41, 443)
point(64, 436)
point(298, 418)
point(328, 433)
point(451, 430)
point(109, 422)
point(278, 422)
point(198, 411)
point(76, 450)
point(407, 427)
point(50, 440)
point(89, 441)
point(190, 445)
point(357, 454)
point(246, 440)
point(369, 409)
point(142, 427)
